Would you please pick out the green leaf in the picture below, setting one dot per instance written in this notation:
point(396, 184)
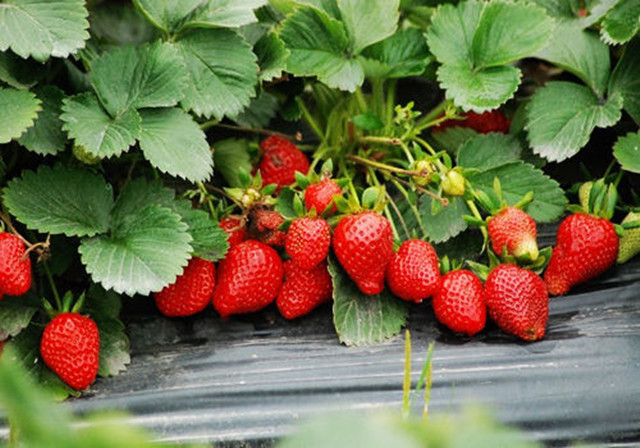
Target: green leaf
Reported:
point(403, 54)
point(360, 319)
point(259, 112)
point(42, 29)
point(272, 56)
point(209, 240)
point(17, 72)
point(145, 251)
point(92, 128)
point(16, 313)
point(225, 13)
point(516, 180)
point(167, 15)
point(622, 22)
point(368, 21)
point(222, 72)
point(285, 203)
point(319, 46)
point(443, 223)
point(368, 121)
point(625, 80)
point(120, 24)
point(627, 152)
point(230, 156)
point(136, 77)
point(71, 201)
point(46, 136)
point(559, 128)
point(453, 138)
point(489, 151)
point(450, 35)
point(138, 195)
point(173, 143)
point(18, 110)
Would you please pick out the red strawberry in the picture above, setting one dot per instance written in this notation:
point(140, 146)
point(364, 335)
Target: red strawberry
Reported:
point(516, 230)
point(490, 121)
point(191, 292)
point(303, 290)
point(363, 243)
point(263, 226)
point(15, 268)
point(459, 302)
point(236, 232)
point(70, 346)
point(413, 272)
point(518, 302)
point(318, 196)
point(308, 241)
point(249, 278)
point(280, 161)
point(586, 246)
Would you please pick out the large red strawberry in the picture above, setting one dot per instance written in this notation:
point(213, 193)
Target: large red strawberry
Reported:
point(490, 121)
point(318, 196)
point(308, 241)
point(280, 162)
point(15, 267)
point(234, 228)
point(363, 243)
point(303, 290)
point(518, 302)
point(264, 226)
point(413, 272)
point(586, 246)
point(459, 302)
point(249, 278)
point(70, 346)
point(191, 292)
point(514, 230)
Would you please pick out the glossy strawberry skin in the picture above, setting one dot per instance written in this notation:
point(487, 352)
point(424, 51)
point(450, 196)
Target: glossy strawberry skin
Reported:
point(459, 302)
point(586, 246)
point(191, 292)
point(280, 162)
point(318, 196)
point(490, 121)
point(516, 230)
point(308, 241)
point(249, 279)
point(303, 290)
point(264, 227)
point(413, 272)
point(235, 230)
point(15, 268)
point(363, 244)
point(70, 346)
point(518, 301)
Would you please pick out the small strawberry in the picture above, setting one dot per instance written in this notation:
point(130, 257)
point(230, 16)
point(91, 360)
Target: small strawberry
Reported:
point(454, 184)
point(517, 301)
point(586, 246)
point(303, 290)
point(413, 272)
point(280, 162)
point(70, 346)
point(514, 230)
point(318, 196)
point(84, 156)
point(308, 241)
point(191, 292)
point(490, 121)
point(363, 243)
point(630, 241)
point(236, 232)
point(15, 267)
point(459, 302)
point(249, 278)
point(264, 226)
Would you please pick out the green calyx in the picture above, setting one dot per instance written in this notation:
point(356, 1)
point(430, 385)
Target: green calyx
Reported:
point(597, 198)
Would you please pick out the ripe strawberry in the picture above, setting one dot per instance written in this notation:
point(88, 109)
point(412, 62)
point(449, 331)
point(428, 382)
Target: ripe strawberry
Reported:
point(490, 121)
point(70, 346)
point(249, 278)
point(630, 241)
point(516, 230)
point(586, 246)
point(263, 226)
point(459, 302)
point(413, 272)
point(191, 292)
point(517, 301)
point(236, 232)
point(363, 243)
point(308, 241)
point(280, 161)
point(303, 290)
point(318, 196)
point(15, 272)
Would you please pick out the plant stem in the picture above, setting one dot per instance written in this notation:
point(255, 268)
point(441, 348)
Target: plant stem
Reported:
point(381, 166)
point(392, 141)
point(415, 211)
point(390, 104)
point(310, 120)
point(476, 213)
point(377, 91)
point(407, 153)
point(56, 296)
point(406, 383)
point(362, 103)
point(429, 382)
point(393, 205)
point(443, 201)
point(429, 148)
point(208, 124)
point(434, 113)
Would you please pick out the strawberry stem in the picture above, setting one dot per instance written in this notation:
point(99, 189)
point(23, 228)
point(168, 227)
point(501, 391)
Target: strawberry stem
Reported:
point(406, 384)
point(56, 296)
point(310, 120)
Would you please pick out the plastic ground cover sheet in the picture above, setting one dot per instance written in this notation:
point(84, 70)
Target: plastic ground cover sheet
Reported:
point(249, 381)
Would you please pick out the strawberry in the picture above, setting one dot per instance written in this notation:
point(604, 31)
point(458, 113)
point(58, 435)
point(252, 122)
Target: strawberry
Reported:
point(514, 230)
point(413, 272)
point(517, 301)
point(191, 292)
point(236, 232)
point(280, 161)
point(586, 246)
point(459, 302)
point(303, 290)
point(363, 243)
point(318, 196)
point(490, 121)
point(630, 241)
point(264, 226)
point(15, 268)
point(70, 346)
point(249, 278)
point(307, 241)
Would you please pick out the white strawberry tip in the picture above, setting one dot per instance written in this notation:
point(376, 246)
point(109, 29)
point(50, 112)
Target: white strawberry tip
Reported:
point(527, 251)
